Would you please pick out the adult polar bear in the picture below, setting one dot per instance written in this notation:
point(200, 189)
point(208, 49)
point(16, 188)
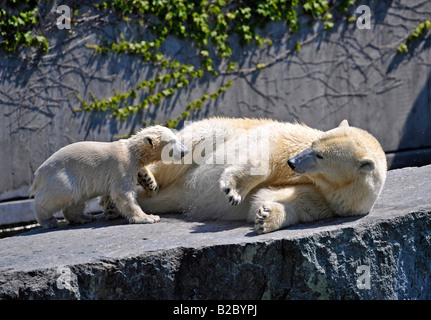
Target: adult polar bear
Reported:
point(273, 173)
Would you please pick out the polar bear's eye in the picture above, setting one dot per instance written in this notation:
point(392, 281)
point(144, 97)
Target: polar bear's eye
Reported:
point(319, 155)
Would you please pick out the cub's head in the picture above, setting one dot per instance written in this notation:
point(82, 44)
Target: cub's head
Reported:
point(348, 166)
point(157, 142)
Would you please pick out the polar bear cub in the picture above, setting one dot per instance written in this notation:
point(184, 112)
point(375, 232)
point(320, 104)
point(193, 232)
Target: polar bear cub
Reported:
point(85, 170)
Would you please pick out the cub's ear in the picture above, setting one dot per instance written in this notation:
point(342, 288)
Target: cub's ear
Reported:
point(343, 124)
point(149, 140)
point(366, 165)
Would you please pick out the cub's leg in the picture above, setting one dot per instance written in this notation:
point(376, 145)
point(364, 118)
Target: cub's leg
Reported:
point(45, 216)
point(129, 207)
point(47, 203)
point(109, 208)
point(148, 182)
point(145, 179)
point(251, 158)
point(237, 181)
point(273, 209)
point(74, 214)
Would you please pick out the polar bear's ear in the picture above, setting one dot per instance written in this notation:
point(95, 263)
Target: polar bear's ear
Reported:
point(366, 165)
point(343, 124)
point(149, 140)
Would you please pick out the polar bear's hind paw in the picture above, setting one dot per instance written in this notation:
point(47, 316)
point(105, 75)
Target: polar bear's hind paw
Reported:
point(269, 217)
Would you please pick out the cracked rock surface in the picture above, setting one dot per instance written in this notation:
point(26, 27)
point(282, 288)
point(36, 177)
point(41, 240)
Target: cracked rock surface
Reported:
point(383, 255)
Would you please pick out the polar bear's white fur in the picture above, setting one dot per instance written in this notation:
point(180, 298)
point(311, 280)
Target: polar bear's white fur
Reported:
point(289, 173)
point(84, 170)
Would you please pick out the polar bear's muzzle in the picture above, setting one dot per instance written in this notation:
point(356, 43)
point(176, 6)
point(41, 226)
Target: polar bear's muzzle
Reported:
point(174, 150)
point(183, 151)
point(303, 162)
point(179, 150)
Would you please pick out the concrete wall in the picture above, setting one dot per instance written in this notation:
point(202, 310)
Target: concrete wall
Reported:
point(346, 73)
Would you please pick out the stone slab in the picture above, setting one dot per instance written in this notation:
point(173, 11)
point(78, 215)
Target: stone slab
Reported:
point(383, 255)
point(16, 212)
point(22, 211)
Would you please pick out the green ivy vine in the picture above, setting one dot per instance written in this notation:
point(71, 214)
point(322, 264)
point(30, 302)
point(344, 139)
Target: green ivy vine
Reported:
point(17, 20)
point(421, 29)
point(209, 25)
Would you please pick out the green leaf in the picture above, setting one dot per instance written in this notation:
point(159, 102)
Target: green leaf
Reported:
point(328, 25)
point(402, 48)
point(168, 92)
point(204, 53)
point(186, 114)
point(166, 78)
point(28, 38)
point(232, 66)
point(260, 65)
point(327, 16)
point(307, 6)
point(168, 16)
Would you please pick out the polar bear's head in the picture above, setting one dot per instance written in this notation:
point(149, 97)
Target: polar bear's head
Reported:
point(348, 165)
point(154, 142)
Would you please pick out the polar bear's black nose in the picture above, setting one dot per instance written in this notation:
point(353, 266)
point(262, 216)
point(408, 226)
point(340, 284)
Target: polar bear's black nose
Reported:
point(291, 165)
point(184, 151)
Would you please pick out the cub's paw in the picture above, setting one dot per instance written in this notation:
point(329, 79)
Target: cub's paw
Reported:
point(144, 218)
point(148, 184)
point(84, 218)
point(269, 217)
point(109, 208)
point(232, 194)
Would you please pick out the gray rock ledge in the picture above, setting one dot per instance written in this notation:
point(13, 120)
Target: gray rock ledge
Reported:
point(383, 255)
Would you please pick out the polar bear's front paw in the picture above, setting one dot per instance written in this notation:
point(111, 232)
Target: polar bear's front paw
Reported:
point(232, 194)
point(269, 217)
point(144, 218)
point(148, 184)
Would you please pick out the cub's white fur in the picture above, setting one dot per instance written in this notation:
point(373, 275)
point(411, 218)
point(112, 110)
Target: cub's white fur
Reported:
point(85, 170)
